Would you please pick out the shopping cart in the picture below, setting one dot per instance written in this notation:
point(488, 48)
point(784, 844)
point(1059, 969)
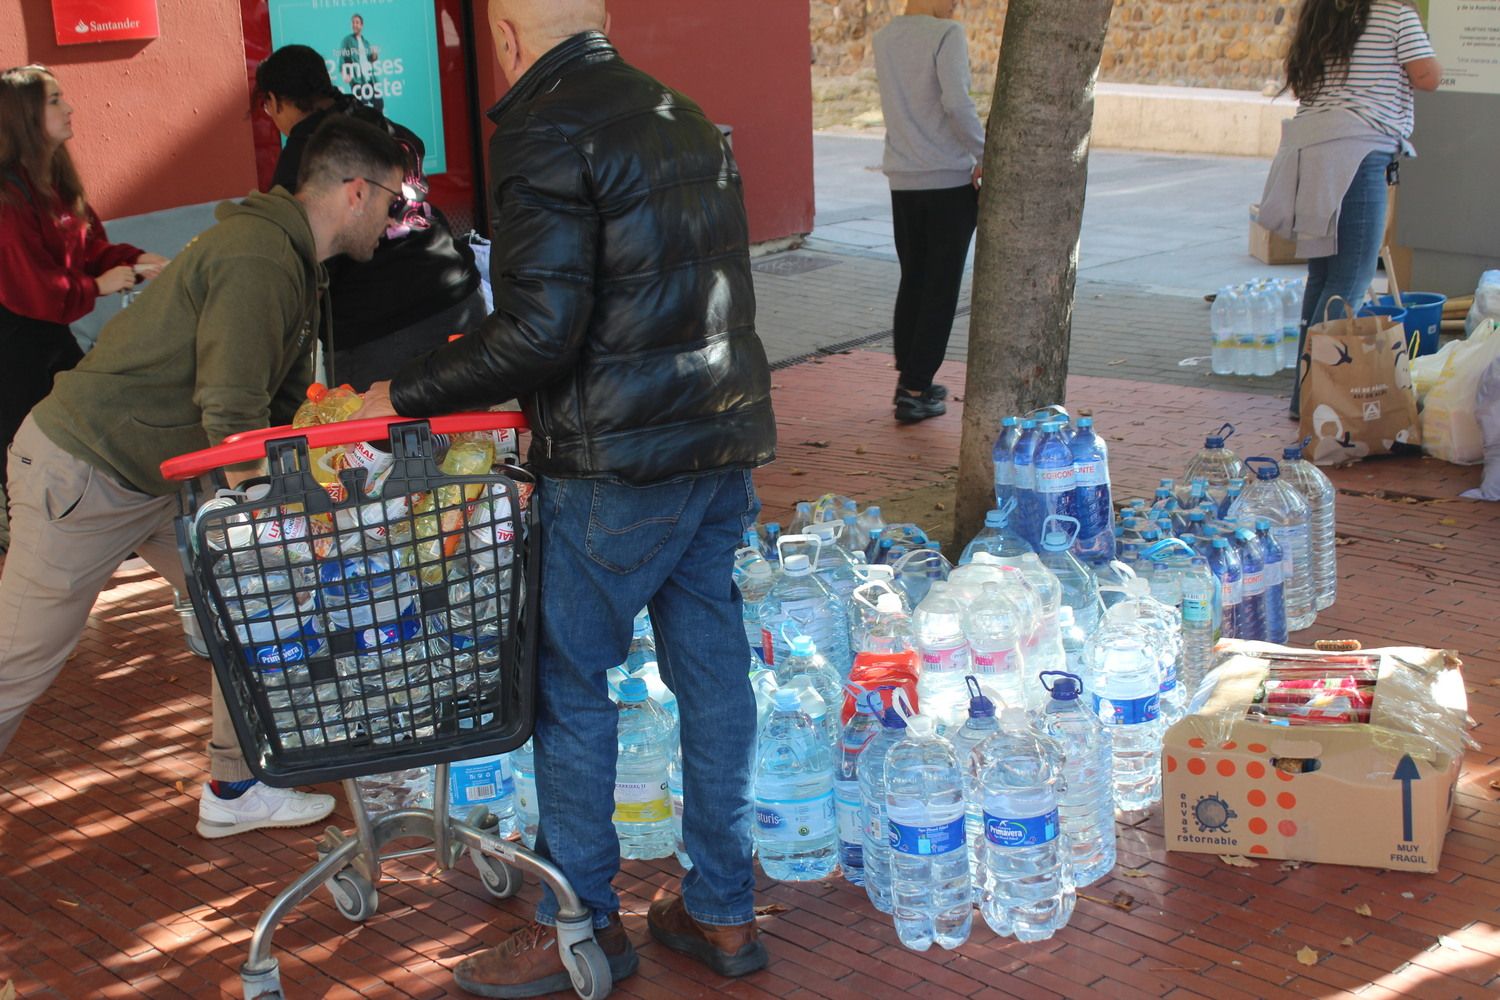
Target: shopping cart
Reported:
point(382, 619)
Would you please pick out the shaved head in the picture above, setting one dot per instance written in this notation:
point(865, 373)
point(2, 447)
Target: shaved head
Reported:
point(543, 23)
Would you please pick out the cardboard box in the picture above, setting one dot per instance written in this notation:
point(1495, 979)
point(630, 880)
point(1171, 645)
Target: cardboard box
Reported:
point(1378, 794)
point(1267, 247)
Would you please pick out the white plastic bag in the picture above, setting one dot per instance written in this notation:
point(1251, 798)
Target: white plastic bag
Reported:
point(1487, 411)
point(1450, 428)
point(1486, 301)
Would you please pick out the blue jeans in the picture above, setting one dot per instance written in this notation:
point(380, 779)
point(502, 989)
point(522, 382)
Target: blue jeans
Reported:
point(609, 549)
point(1348, 272)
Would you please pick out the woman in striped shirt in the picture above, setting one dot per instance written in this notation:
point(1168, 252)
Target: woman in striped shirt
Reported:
point(1352, 65)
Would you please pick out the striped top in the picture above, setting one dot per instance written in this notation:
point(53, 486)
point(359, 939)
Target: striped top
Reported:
point(1377, 89)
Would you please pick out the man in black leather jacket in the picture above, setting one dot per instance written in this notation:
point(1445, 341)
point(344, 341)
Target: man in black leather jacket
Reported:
point(625, 323)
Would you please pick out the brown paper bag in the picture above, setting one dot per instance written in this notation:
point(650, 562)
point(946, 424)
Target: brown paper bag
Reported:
point(1357, 396)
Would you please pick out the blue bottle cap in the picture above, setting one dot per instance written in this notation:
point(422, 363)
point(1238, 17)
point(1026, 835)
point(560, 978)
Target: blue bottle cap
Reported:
point(1292, 454)
point(1009, 422)
point(1067, 687)
point(784, 699)
point(1221, 543)
point(994, 519)
point(1028, 424)
point(802, 645)
point(980, 707)
point(633, 690)
point(1085, 422)
point(1262, 524)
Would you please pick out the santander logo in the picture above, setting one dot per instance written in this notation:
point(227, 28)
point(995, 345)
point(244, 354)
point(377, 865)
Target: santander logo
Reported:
point(81, 27)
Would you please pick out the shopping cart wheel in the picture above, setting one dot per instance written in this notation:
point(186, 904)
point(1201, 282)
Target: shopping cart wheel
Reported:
point(498, 878)
point(591, 976)
point(354, 896)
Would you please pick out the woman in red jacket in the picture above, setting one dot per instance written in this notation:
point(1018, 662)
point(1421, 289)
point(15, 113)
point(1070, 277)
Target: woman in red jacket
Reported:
point(55, 260)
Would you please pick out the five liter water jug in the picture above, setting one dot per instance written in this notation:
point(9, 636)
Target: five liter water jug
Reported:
point(1079, 589)
point(981, 726)
point(802, 661)
point(643, 802)
point(859, 731)
point(872, 793)
point(932, 902)
point(804, 601)
point(1028, 879)
point(1124, 679)
point(1314, 487)
point(796, 833)
point(1087, 805)
point(997, 537)
point(943, 652)
point(1216, 464)
point(1273, 499)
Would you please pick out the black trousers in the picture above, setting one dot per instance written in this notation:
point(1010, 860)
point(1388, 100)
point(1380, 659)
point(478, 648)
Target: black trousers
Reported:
point(933, 229)
point(34, 351)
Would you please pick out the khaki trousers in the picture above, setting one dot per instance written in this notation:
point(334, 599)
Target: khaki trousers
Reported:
point(71, 526)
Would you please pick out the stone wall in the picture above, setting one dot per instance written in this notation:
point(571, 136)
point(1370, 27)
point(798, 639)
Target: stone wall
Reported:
point(1233, 44)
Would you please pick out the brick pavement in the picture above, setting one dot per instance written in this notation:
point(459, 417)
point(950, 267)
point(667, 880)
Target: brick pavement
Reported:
point(105, 892)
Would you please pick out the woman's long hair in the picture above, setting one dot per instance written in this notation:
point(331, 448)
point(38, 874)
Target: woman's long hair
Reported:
point(24, 147)
point(1326, 33)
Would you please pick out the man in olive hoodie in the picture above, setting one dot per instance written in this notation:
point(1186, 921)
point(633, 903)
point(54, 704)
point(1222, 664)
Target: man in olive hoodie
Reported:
point(221, 342)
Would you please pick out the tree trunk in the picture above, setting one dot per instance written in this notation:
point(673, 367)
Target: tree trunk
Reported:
point(1030, 212)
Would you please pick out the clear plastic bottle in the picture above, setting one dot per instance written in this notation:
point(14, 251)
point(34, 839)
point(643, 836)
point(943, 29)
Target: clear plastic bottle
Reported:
point(1092, 503)
point(1163, 623)
point(1225, 563)
point(801, 599)
point(801, 518)
point(1087, 805)
point(944, 657)
point(981, 725)
point(1241, 326)
point(1005, 472)
point(1028, 882)
point(796, 834)
point(931, 895)
point(643, 802)
point(803, 661)
point(1252, 610)
point(997, 537)
point(1124, 682)
point(642, 652)
point(753, 575)
point(887, 629)
point(996, 629)
point(1197, 625)
point(1274, 566)
point(1291, 322)
point(674, 788)
point(1265, 317)
point(485, 782)
point(1221, 359)
point(870, 521)
point(1048, 652)
point(1216, 464)
point(862, 728)
point(1314, 487)
point(877, 854)
point(523, 773)
point(1269, 497)
point(1026, 520)
point(1079, 591)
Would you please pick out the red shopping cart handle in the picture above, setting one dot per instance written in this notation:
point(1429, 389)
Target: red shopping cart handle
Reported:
point(249, 446)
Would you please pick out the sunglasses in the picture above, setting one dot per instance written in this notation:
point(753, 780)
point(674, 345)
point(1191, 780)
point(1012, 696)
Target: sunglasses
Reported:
point(398, 203)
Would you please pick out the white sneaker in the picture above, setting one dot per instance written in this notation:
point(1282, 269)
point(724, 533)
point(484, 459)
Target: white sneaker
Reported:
point(259, 807)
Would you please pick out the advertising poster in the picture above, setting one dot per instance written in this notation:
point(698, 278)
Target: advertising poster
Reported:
point(384, 52)
point(81, 21)
point(1466, 37)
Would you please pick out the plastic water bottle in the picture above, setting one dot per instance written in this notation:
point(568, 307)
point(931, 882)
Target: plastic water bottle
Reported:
point(523, 773)
point(887, 629)
point(1269, 497)
point(1005, 470)
point(997, 537)
point(1087, 805)
point(871, 524)
point(862, 728)
point(1092, 504)
point(753, 575)
point(1225, 563)
point(806, 606)
point(1291, 322)
point(643, 802)
point(1028, 877)
point(796, 834)
point(872, 794)
point(1079, 591)
point(674, 788)
point(1124, 680)
point(1252, 612)
point(803, 662)
point(943, 655)
point(1197, 624)
point(1163, 624)
point(1274, 567)
point(1053, 465)
point(1025, 520)
point(484, 782)
point(642, 652)
point(931, 894)
point(996, 628)
point(981, 725)
point(1047, 653)
point(1265, 319)
point(1314, 487)
point(1216, 464)
point(1243, 326)
point(1221, 359)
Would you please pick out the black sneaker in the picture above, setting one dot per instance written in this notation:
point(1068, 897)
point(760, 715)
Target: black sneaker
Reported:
point(934, 391)
point(910, 409)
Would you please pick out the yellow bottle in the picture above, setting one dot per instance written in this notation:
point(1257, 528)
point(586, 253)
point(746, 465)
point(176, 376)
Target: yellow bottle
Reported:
point(340, 403)
point(310, 412)
point(440, 515)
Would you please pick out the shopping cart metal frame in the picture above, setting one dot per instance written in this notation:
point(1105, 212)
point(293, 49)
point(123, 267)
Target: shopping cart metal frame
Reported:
point(350, 863)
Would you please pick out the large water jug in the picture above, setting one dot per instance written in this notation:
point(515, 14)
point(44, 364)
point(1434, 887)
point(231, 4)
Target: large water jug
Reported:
point(944, 657)
point(1270, 497)
point(1124, 681)
point(1265, 318)
point(1087, 805)
point(796, 834)
point(996, 628)
point(1314, 487)
point(883, 626)
point(997, 537)
point(861, 729)
point(801, 599)
point(931, 899)
point(877, 854)
point(1079, 591)
point(643, 803)
point(803, 662)
point(1048, 653)
point(1028, 873)
point(1216, 464)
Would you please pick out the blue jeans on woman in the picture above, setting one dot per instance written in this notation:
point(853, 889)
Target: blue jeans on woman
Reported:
point(1348, 272)
point(609, 549)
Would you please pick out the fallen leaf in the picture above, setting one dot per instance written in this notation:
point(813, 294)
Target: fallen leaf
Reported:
point(859, 449)
point(770, 909)
point(8, 991)
point(1437, 545)
point(67, 902)
point(816, 444)
point(1448, 522)
point(1133, 873)
point(939, 506)
point(1408, 895)
point(913, 457)
point(1125, 901)
point(1347, 942)
point(172, 679)
point(1116, 361)
point(1174, 968)
point(796, 472)
point(1495, 683)
point(1307, 956)
point(775, 385)
point(1235, 861)
point(1343, 541)
point(181, 786)
point(1291, 866)
point(1235, 961)
point(1450, 943)
point(1495, 785)
point(1363, 909)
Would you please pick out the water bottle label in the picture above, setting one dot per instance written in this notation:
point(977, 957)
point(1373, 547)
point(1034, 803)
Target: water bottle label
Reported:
point(796, 819)
point(1054, 480)
point(850, 810)
point(1005, 472)
point(1227, 596)
point(945, 660)
point(927, 841)
point(1197, 610)
point(642, 802)
point(1254, 583)
point(1090, 472)
point(1026, 831)
point(1272, 574)
point(1024, 477)
point(1127, 711)
point(991, 662)
point(472, 783)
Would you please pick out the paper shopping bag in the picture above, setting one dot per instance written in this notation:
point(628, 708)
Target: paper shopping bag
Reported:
point(1357, 397)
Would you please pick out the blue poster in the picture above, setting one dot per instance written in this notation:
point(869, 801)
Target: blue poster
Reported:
point(384, 52)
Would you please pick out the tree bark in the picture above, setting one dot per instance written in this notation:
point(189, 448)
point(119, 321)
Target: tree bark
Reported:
point(1030, 212)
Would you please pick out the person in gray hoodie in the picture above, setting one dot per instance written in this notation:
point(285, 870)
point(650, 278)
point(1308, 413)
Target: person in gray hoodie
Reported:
point(934, 148)
point(220, 343)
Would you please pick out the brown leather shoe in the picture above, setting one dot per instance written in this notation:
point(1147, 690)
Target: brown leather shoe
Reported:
point(730, 950)
point(528, 963)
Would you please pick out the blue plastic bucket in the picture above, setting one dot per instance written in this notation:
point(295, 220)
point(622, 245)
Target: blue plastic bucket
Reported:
point(1396, 314)
point(1424, 318)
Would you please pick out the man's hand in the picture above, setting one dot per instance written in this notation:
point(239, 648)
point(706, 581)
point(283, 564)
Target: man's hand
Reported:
point(377, 402)
point(149, 265)
point(977, 177)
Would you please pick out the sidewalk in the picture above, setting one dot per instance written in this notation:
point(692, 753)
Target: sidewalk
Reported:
point(105, 892)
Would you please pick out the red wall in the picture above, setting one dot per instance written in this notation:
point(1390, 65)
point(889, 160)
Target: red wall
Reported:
point(156, 124)
point(748, 65)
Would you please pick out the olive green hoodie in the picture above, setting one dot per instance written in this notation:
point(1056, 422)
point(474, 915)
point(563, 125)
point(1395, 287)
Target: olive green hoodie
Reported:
point(221, 342)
